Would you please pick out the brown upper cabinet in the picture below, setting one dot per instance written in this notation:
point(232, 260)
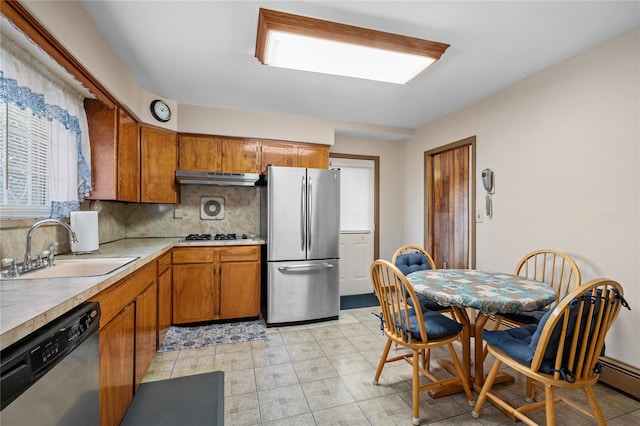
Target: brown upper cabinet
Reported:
point(199, 153)
point(246, 155)
point(130, 162)
point(159, 160)
point(115, 153)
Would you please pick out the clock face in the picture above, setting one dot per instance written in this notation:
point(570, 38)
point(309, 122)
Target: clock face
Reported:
point(160, 110)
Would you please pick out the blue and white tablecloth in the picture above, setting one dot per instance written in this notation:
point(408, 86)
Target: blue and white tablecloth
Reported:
point(489, 292)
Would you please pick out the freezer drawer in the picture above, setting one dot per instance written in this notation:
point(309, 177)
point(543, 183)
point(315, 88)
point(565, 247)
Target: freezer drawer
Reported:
point(302, 291)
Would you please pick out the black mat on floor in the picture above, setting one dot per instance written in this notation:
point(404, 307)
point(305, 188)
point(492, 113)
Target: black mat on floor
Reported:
point(358, 301)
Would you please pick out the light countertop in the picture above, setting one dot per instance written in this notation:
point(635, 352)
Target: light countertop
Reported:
point(28, 304)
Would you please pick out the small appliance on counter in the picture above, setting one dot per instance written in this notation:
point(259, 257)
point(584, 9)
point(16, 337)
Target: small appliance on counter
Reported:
point(85, 225)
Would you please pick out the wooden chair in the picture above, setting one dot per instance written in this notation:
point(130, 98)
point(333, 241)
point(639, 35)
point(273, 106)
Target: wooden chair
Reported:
point(562, 351)
point(550, 266)
point(411, 258)
point(412, 329)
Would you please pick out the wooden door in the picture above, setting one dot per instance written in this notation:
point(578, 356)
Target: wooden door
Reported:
point(195, 293)
point(313, 156)
point(449, 191)
point(159, 153)
point(146, 314)
point(240, 156)
point(277, 154)
point(165, 307)
point(116, 366)
point(239, 290)
point(201, 153)
point(128, 158)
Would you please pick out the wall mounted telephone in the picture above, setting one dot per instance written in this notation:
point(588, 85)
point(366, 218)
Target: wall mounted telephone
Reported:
point(487, 179)
point(488, 182)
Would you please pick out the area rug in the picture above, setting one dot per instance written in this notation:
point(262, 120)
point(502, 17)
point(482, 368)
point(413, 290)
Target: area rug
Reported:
point(194, 337)
point(358, 301)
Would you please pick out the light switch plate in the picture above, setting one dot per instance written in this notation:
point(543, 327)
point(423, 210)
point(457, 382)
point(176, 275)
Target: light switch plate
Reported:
point(211, 208)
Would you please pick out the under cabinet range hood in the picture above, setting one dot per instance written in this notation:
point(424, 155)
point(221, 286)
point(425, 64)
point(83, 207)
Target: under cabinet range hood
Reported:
point(190, 177)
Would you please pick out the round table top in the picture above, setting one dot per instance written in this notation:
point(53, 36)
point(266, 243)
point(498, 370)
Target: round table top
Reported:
point(489, 292)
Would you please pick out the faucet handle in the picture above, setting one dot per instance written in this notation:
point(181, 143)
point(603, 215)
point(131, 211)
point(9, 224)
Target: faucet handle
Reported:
point(39, 263)
point(52, 253)
point(13, 269)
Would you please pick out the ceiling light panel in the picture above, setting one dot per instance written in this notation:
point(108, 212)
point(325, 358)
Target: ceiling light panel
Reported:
point(308, 44)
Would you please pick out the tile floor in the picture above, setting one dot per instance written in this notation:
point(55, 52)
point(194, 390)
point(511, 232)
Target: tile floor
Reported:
point(321, 374)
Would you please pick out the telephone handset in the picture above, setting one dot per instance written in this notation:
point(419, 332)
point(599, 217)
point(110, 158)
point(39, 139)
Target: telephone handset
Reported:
point(487, 181)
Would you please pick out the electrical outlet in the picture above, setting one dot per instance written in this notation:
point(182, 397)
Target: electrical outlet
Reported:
point(178, 214)
point(479, 216)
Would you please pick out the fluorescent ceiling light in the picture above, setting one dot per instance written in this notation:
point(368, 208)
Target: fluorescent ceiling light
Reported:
point(308, 44)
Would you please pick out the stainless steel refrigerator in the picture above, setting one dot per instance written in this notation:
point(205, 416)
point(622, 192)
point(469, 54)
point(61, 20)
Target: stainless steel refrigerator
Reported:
point(301, 208)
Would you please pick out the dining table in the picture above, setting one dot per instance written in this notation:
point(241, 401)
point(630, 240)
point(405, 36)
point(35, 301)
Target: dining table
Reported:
point(474, 296)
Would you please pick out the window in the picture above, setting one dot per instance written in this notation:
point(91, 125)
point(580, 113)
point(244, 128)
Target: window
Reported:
point(356, 195)
point(44, 142)
point(24, 144)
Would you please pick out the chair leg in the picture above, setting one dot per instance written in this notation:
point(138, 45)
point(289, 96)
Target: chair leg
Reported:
point(415, 386)
point(595, 407)
point(549, 403)
point(383, 360)
point(486, 350)
point(491, 377)
point(458, 367)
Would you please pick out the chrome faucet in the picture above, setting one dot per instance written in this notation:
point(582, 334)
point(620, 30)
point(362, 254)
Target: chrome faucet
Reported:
point(26, 266)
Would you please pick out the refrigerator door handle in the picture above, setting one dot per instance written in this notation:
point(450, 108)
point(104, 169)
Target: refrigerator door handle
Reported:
point(309, 213)
point(305, 267)
point(303, 215)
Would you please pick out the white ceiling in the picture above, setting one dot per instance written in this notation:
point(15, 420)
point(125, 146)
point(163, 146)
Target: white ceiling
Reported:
point(202, 52)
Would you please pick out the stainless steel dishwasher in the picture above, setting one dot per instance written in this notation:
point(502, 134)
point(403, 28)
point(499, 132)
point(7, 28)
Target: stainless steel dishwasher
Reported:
point(51, 377)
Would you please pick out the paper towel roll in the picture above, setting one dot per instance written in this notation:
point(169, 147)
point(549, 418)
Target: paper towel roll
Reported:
point(85, 224)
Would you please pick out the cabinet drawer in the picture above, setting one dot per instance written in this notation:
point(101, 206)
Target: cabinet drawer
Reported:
point(164, 262)
point(240, 254)
point(195, 255)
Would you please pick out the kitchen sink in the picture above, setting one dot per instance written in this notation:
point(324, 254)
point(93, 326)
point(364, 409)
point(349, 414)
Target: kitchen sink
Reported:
point(69, 268)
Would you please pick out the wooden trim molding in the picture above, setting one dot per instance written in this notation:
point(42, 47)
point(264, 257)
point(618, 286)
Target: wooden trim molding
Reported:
point(303, 25)
point(25, 22)
point(376, 195)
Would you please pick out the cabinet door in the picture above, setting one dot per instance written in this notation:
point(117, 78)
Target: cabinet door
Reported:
point(195, 293)
point(240, 289)
point(313, 156)
point(240, 156)
point(159, 153)
point(202, 153)
point(146, 314)
point(165, 280)
point(277, 154)
point(128, 158)
point(116, 366)
point(103, 130)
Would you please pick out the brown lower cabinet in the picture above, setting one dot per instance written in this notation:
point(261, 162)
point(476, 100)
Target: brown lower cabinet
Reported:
point(127, 340)
point(213, 283)
point(165, 288)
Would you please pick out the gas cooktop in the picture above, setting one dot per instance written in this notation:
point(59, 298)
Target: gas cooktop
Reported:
point(208, 237)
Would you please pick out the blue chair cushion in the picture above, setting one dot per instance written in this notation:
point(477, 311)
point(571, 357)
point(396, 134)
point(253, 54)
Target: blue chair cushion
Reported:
point(435, 324)
point(533, 317)
point(430, 304)
point(412, 262)
point(521, 343)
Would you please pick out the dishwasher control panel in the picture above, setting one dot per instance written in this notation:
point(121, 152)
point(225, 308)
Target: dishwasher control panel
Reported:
point(63, 340)
point(26, 361)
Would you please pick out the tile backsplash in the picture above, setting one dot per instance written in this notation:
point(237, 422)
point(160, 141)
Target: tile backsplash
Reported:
point(118, 220)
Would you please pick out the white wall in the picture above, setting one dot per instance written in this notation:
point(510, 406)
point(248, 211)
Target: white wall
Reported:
point(564, 146)
point(390, 154)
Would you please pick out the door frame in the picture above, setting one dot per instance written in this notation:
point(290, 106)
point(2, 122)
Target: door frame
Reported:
point(376, 195)
point(428, 193)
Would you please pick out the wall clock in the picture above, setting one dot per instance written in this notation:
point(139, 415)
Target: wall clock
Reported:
point(160, 110)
